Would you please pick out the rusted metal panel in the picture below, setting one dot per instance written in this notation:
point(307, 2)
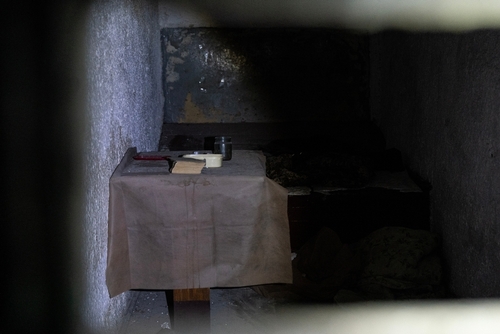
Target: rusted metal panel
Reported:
point(215, 75)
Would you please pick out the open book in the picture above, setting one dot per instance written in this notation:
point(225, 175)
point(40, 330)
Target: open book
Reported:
point(186, 165)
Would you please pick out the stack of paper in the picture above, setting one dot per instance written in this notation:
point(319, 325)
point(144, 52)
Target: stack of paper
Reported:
point(186, 166)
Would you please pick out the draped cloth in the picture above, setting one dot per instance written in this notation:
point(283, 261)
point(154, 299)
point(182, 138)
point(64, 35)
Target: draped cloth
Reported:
point(225, 227)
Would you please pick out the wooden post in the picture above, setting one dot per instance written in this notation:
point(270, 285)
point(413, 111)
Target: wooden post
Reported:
point(188, 295)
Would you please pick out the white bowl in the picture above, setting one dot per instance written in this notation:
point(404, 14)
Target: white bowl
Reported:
point(211, 160)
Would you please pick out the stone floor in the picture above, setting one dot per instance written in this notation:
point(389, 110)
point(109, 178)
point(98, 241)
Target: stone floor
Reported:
point(238, 310)
point(244, 311)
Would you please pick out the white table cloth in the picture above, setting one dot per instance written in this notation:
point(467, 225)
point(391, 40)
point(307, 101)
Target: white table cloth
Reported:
point(225, 227)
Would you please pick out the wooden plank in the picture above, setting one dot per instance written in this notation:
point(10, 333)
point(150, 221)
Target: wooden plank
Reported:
point(181, 295)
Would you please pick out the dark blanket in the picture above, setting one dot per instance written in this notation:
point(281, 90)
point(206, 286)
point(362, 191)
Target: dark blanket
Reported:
point(392, 263)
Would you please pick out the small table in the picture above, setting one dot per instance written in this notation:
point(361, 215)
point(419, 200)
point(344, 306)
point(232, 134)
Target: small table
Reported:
point(225, 227)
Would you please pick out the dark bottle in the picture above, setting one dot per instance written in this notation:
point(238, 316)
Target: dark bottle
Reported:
point(224, 146)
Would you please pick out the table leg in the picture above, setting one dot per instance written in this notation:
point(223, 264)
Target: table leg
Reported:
point(189, 310)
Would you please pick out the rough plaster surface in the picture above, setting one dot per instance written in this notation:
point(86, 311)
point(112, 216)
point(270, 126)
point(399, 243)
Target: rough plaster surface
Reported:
point(125, 109)
point(435, 96)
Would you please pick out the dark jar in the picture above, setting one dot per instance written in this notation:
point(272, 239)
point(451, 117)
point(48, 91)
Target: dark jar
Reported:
point(224, 146)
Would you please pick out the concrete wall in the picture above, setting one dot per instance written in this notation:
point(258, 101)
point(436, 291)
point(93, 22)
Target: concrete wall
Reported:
point(123, 59)
point(436, 98)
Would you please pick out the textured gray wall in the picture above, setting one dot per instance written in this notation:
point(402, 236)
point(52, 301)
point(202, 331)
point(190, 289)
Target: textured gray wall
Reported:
point(123, 58)
point(436, 97)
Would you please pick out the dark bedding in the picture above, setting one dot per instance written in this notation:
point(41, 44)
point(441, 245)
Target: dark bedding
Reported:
point(392, 263)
